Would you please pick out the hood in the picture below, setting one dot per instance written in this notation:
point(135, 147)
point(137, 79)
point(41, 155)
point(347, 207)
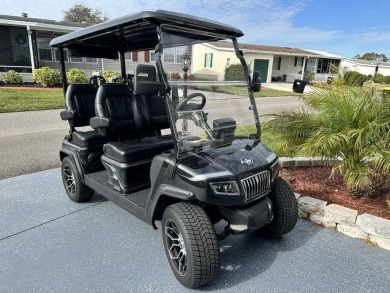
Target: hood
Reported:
point(240, 156)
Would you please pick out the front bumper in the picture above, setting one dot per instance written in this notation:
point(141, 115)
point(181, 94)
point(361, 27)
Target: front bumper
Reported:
point(248, 219)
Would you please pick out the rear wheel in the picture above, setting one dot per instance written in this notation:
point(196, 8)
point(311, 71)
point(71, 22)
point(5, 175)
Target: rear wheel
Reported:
point(285, 210)
point(74, 187)
point(190, 243)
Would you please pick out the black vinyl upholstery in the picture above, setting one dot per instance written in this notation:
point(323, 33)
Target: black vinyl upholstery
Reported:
point(116, 102)
point(81, 99)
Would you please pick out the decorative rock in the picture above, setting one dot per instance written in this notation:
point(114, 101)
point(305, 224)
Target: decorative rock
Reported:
point(285, 162)
point(302, 162)
point(316, 161)
point(302, 214)
point(322, 220)
point(380, 241)
point(311, 205)
point(340, 215)
point(297, 195)
point(352, 231)
point(374, 225)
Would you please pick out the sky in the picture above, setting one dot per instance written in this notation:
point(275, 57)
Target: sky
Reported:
point(342, 27)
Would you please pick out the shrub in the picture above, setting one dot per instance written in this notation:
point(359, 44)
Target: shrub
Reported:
point(354, 78)
point(386, 79)
point(12, 77)
point(349, 125)
point(175, 76)
point(76, 75)
point(379, 78)
point(234, 72)
point(108, 74)
point(46, 76)
point(309, 75)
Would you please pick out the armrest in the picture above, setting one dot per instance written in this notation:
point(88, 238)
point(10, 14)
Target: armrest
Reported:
point(67, 114)
point(98, 122)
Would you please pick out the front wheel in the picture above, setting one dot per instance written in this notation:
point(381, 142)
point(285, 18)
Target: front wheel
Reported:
point(190, 243)
point(285, 210)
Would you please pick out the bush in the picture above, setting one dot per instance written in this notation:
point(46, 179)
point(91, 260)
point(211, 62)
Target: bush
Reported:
point(386, 79)
point(12, 77)
point(76, 75)
point(175, 76)
point(108, 74)
point(349, 125)
point(379, 78)
point(309, 75)
point(46, 76)
point(234, 72)
point(354, 78)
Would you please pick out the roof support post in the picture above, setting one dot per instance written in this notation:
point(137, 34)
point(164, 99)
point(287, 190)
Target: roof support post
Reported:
point(240, 56)
point(30, 45)
point(34, 47)
point(123, 65)
point(63, 70)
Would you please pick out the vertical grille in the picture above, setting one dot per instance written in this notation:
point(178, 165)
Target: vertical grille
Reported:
point(256, 185)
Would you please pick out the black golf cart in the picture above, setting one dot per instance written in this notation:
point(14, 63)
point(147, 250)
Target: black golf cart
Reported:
point(172, 151)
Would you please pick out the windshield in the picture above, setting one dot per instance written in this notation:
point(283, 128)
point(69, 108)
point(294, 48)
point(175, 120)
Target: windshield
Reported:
point(211, 113)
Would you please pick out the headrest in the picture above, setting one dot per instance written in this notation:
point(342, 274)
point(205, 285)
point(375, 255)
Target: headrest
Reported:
point(74, 89)
point(112, 90)
point(145, 80)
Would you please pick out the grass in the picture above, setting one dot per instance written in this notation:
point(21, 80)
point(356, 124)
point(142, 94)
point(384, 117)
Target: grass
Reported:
point(16, 100)
point(243, 91)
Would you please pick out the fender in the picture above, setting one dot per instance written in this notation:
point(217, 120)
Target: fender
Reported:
point(169, 191)
point(67, 151)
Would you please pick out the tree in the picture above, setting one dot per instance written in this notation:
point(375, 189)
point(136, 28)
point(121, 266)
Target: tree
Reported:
point(372, 56)
point(82, 14)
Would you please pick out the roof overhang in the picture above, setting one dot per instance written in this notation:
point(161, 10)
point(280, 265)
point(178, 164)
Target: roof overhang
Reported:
point(39, 26)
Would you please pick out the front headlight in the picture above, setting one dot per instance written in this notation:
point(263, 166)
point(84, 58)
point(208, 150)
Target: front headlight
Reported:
point(229, 188)
point(275, 170)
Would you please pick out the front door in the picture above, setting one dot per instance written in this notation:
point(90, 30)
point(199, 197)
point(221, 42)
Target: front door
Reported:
point(261, 65)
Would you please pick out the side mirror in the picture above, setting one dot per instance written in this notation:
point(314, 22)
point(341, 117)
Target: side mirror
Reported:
point(256, 82)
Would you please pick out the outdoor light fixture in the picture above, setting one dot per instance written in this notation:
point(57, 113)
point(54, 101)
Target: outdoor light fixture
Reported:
point(186, 62)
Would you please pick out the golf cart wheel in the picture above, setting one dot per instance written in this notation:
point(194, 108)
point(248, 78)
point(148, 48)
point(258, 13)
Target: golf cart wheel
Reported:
point(190, 243)
point(285, 209)
point(74, 187)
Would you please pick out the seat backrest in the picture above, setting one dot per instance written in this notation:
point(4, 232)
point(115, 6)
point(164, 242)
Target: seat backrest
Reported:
point(116, 102)
point(81, 99)
point(150, 104)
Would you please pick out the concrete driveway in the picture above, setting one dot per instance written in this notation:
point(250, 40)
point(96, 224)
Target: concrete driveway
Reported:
point(287, 86)
point(50, 244)
point(30, 141)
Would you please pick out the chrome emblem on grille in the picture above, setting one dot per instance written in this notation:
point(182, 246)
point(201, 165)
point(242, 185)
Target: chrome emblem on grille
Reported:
point(246, 161)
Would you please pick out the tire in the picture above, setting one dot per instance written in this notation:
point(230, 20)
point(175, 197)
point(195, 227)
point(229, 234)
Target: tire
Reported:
point(74, 187)
point(186, 225)
point(285, 209)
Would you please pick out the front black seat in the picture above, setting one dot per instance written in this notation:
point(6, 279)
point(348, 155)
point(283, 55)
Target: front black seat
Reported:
point(80, 108)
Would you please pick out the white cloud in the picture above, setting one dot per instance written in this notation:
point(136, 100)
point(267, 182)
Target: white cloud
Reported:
point(262, 21)
point(373, 36)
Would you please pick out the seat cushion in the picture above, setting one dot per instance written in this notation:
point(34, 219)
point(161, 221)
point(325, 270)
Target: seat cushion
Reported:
point(89, 138)
point(138, 150)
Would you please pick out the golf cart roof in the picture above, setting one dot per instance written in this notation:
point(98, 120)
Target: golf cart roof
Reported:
point(138, 32)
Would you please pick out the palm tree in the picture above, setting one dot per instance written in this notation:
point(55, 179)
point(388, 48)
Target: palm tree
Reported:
point(351, 125)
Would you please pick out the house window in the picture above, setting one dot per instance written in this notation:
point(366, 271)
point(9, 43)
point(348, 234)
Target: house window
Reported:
point(128, 56)
point(276, 63)
point(91, 60)
point(169, 55)
point(76, 59)
point(180, 51)
point(298, 61)
point(44, 49)
point(57, 55)
point(153, 56)
point(208, 60)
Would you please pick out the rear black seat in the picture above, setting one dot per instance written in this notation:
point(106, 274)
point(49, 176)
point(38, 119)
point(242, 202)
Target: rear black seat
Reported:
point(80, 108)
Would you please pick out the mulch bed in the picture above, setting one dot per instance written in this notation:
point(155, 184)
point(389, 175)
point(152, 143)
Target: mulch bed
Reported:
point(318, 183)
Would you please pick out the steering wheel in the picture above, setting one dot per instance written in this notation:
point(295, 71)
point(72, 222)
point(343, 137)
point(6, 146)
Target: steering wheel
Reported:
point(185, 106)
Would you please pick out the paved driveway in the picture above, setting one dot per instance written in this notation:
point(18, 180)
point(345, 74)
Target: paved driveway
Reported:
point(30, 141)
point(50, 244)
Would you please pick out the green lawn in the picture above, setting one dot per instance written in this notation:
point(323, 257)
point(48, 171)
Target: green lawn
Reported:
point(15, 100)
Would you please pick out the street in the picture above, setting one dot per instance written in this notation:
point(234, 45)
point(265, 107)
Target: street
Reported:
point(30, 141)
point(51, 244)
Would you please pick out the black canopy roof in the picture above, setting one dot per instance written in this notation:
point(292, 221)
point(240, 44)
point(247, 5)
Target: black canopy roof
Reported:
point(137, 32)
